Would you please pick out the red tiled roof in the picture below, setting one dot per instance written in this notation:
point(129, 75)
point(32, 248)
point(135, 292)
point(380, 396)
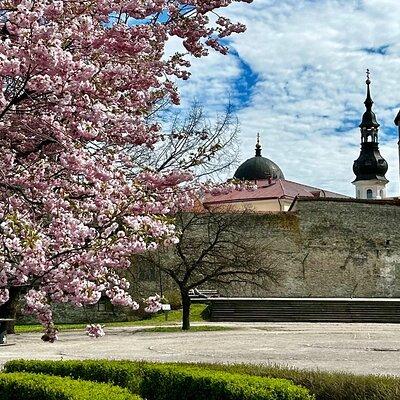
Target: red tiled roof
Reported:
point(276, 189)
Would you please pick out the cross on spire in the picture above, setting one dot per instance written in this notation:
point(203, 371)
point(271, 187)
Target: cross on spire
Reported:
point(368, 76)
point(368, 101)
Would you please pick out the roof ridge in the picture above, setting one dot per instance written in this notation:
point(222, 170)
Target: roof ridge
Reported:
point(282, 187)
point(302, 184)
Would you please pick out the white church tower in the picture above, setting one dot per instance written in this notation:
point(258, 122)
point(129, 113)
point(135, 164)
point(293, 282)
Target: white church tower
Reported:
point(370, 167)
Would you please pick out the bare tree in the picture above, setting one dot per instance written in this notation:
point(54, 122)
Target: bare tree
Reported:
point(193, 141)
point(214, 248)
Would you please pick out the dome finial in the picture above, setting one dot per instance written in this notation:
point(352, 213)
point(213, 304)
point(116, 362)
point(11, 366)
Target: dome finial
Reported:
point(258, 146)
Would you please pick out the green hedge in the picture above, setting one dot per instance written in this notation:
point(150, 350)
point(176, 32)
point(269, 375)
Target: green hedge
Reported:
point(324, 385)
point(169, 382)
point(121, 373)
point(166, 382)
point(27, 386)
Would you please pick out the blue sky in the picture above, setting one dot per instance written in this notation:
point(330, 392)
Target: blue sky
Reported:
point(297, 76)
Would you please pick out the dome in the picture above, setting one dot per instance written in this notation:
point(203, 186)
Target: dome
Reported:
point(370, 164)
point(258, 167)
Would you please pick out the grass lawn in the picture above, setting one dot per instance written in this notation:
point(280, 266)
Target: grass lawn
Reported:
point(174, 317)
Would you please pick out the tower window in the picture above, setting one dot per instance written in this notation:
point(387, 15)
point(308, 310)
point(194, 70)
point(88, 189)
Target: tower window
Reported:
point(369, 194)
point(381, 193)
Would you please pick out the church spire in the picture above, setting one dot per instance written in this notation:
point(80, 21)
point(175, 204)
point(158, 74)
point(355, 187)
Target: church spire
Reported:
point(258, 146)
point(397, 123)
point(370, 167)
point(369, 121)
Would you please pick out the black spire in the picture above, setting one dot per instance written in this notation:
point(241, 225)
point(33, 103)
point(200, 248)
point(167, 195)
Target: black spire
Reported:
point(369, 118)
point(258, 146)
point(370, 165)
point(397, 120)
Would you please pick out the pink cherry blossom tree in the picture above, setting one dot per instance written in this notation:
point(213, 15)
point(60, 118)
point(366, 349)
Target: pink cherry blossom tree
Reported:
point(79, 81)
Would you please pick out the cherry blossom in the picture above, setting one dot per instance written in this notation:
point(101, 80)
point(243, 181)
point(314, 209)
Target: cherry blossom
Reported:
point(153, 304)
point(79, 81)
point(95, 330)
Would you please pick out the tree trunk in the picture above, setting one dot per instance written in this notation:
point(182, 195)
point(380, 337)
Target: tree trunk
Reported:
point(9, 309)
point(185, 310)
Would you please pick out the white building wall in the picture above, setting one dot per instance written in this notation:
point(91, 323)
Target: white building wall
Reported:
point(270, 205)
point(371, 189)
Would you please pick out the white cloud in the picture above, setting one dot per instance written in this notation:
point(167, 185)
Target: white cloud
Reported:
point(310, 58)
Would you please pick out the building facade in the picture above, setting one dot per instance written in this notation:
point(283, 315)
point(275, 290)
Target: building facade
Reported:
point(274, 193)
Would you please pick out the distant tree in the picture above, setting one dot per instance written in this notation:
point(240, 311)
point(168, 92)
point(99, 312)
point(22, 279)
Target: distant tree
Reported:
point(214, 248)
point(192, 141)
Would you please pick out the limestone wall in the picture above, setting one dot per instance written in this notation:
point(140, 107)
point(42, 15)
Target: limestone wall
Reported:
point(330, 248)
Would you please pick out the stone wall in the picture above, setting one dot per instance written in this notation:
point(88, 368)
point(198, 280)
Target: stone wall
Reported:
point(325, 248)
point(331, 248)
point(65, 313)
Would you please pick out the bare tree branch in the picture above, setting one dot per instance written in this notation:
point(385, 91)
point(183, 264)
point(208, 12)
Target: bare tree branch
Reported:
point(217, 248)
point(193, 142)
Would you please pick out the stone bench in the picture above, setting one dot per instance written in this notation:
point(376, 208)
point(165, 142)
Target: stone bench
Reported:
point(203, 294)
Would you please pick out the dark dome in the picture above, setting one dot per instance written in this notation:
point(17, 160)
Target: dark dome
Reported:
point(257, 168)
point(370, 164)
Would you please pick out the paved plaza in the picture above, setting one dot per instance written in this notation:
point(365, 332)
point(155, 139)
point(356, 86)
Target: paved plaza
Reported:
point(358, 348)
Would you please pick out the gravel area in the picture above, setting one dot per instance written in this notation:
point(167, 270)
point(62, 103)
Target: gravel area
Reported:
point(357, 348)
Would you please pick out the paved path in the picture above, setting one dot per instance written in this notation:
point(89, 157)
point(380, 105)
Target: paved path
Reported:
point(358, 348)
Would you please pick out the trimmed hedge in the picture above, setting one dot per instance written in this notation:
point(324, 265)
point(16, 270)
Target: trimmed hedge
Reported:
point(24, 386)
point(166, 382)
point(324, 385)
point(120, 373)
point(170, 382)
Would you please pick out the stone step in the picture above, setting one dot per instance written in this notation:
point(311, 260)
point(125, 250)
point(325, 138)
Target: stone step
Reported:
point(305, 310)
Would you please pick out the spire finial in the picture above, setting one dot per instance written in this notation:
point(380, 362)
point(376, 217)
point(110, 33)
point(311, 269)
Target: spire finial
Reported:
point(368, 76)
point(258, 146)
point(368, 101)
